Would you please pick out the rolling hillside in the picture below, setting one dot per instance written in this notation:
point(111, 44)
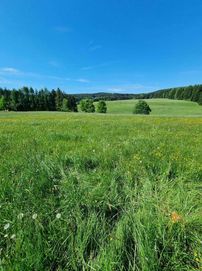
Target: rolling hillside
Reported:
point(159, 107)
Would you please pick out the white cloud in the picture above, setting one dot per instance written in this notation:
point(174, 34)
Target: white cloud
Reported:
point(82, 80)
point(9, 70)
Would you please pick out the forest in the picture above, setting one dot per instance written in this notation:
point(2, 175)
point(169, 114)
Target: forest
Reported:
point(188, 93)
point(28, 99)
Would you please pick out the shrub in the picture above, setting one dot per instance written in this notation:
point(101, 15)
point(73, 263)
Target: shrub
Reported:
point(142, 108)
point(87, 106)
point(101, 107)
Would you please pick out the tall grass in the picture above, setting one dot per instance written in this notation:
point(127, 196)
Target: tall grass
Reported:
point(93, 192)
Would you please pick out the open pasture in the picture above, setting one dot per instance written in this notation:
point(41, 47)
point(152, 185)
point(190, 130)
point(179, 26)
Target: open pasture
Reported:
point(100, 192)
point(160, 107)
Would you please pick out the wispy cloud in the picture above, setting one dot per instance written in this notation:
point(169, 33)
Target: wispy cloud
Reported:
point(7, 74)
point(92, 46)
point(13, 83)
point(63, 29)
point(9, 70)
point(95, 47)
point(4, 81)
point(128, 88)
point(191, 72)
point(54, 63)
point(87, 68)
point(82, 80)
point(104, 64)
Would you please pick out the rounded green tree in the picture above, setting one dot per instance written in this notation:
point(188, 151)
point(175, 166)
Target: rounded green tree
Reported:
point(101, 107)
point(87, 105)
point(142, 108)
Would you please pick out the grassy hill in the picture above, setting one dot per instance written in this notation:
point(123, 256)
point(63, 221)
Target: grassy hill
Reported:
point(165, 107)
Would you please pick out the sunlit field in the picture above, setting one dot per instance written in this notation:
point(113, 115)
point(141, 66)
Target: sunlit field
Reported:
point(101, 192)
point(160, 107)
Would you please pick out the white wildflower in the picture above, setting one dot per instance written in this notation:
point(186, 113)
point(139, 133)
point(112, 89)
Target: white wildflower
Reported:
point(6, 226)
point(34, 216)
point(20, 216)
point(6, 235)
point(58, 216)
point(13, 236)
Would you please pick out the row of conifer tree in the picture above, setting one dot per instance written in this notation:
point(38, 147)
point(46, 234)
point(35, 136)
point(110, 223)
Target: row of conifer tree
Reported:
point(189, 93)
point(28, 99)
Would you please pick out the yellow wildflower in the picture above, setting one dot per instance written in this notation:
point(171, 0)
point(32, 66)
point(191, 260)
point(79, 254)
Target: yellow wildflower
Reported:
point(175, 217)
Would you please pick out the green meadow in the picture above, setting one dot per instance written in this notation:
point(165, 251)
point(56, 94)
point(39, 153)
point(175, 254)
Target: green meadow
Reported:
point(162, 107)
point(104, 192)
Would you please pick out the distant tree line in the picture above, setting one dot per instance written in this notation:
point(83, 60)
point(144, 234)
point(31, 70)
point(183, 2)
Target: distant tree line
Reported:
point(104, 96)
point(28, 99)
point(189, 93)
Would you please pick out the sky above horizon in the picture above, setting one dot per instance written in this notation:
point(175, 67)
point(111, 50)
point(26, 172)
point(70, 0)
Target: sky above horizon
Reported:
point(123, 46)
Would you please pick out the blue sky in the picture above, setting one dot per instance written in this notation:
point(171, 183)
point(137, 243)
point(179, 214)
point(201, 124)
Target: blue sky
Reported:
point(100, 45)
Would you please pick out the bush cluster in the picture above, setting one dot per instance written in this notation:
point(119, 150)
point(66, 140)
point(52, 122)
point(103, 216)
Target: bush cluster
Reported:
point(88, 106)
point(142, 108)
